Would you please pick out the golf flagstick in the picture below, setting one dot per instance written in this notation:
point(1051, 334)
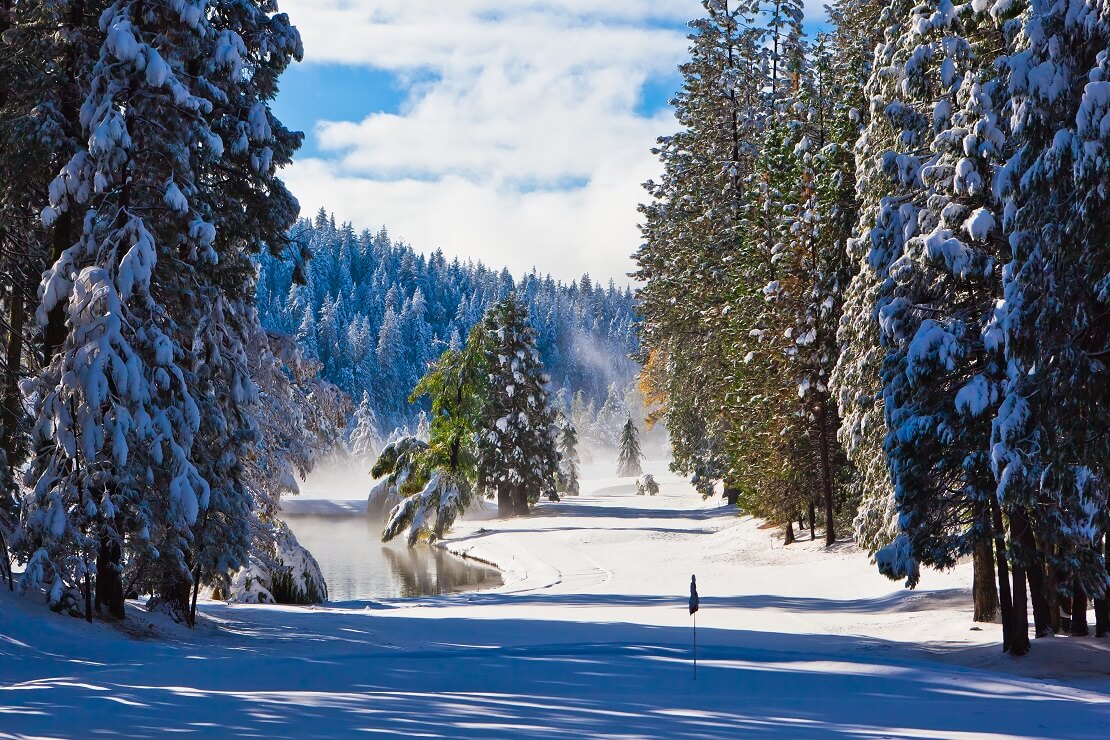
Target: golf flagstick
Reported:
point(694, 613)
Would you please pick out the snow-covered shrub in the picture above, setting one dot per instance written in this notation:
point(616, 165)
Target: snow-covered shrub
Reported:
point(297, 579)
point(250, 585)
point(646, 484)
point(287, 575)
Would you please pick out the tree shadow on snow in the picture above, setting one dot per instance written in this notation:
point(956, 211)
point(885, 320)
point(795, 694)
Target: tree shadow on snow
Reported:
point(314, 674)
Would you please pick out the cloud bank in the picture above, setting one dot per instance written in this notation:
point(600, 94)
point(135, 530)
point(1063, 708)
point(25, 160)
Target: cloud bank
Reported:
point(522, 137)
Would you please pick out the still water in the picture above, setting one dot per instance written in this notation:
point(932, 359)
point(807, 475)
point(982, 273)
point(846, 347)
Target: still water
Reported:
point(357, 565)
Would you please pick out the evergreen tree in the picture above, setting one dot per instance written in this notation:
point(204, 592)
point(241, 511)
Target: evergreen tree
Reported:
point(365, 439)
point(456, 385)
point(629, 456)
point(517, 455)
point(1051, 317)
point(694, 229)
point(146, 405)
point(941, 379)
point(568, 459)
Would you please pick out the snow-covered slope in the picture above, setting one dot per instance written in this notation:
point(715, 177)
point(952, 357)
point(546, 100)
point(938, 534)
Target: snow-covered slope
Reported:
point(589, 637)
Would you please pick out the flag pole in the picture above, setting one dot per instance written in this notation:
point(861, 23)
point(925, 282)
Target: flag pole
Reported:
point(694, 614)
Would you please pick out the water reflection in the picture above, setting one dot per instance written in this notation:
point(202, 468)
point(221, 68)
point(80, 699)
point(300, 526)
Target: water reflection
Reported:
point(358, 566)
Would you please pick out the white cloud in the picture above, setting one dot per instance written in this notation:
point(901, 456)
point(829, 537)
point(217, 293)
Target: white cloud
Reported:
point(520, 145)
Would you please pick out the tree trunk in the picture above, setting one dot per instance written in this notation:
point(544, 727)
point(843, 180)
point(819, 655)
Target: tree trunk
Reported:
point(1042, 617)
point(812, 521)
point(193, 602)
point(175, 598)
point(1102, 616)
point(789, 534)
point(1079, 627)
point(504, 502)
point(1005, 598)
point(986, 590)
point(520, 502)
point(88, 595)
point(12, 398)
point(1019, 526)
point(732, 494)
point(826, 475)
point(1052, 593)
point(1102, 604)
point(1019, 637)
point(109, 578)
point(7, 562)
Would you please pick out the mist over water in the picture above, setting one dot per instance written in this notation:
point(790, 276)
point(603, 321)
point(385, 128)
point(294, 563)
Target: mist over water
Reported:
point(340, 481)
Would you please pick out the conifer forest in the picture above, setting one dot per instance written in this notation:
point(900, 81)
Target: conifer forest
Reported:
point(271, 465)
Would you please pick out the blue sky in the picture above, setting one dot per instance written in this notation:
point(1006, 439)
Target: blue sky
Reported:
point(516, 132)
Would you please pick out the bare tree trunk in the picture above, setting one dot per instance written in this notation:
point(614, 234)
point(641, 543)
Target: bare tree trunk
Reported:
point(826, 474)
point(7, 563)
point(1102, 604)
point(732, 494)
point(109, 578)
point(12, 398)
point(1019, 526)
point(1079, 626)
point(520, 501)
point(1102, 616)
point(1052, 594)
point(1005, 599)
point(1027, 542)
point(789, 533)
point(193, 602)
point(986, 590)
point(88, 595)
point(1019, 638)
point(812, 521)
point(504, 502)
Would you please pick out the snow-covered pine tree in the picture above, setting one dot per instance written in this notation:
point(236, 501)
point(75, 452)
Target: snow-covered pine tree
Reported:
point(1051, 469)
point(401, 473)
point(118, 419)
point(517, 455)
point(886, 185)
point(568, 459)
point(804, 300)
point(941, 379)
point(693, 233)
point(43, 49)
point(858, 29)
point(629, 455)
point(365, 439)
point(247, 48)
point(146, 402)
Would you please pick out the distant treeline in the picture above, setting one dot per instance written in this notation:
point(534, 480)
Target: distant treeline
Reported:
point(375, 313)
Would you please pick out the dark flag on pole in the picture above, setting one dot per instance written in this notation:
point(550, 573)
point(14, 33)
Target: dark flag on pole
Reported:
point(694, 615)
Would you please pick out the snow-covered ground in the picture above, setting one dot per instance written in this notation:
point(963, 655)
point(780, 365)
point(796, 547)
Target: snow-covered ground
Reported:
point(589, 637)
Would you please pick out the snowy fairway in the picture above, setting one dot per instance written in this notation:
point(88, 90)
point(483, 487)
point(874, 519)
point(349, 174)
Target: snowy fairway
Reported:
point(588, 638)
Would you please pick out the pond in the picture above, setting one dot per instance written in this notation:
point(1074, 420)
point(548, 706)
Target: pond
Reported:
point(357, 565)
